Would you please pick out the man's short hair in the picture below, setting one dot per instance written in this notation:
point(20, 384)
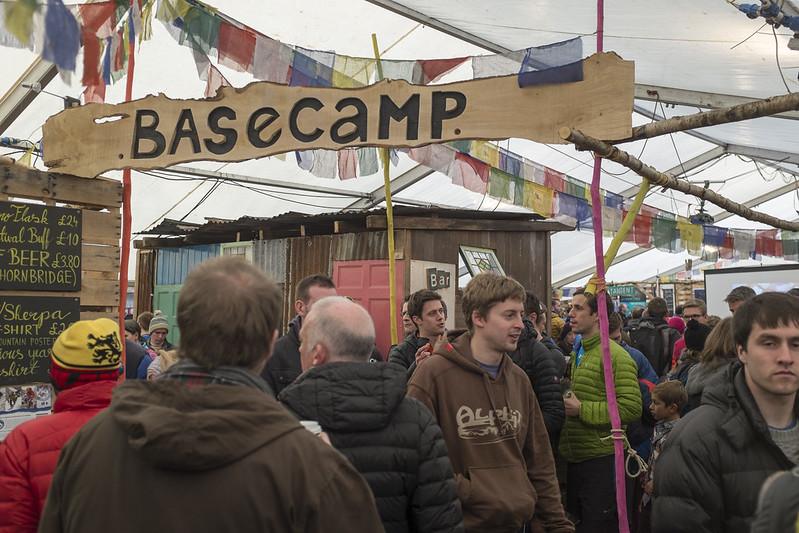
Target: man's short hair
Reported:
point(532, 304)
point(671, 393)
point(740, 294)
point(343, 339)
point(767, 310)
point(486, 290)
point(228, 311)
point(316, 280)
point(592, 301)
point(695, 303)
point(657, 308)
point(419, 298)
point(614, 322)
point(144, 320)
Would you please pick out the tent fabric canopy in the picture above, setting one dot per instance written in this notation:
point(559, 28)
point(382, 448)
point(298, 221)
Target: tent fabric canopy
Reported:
point(680, 45)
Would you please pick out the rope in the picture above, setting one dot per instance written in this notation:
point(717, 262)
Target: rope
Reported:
point(638, 461)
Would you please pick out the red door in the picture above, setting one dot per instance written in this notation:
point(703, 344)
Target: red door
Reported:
point(366, 282)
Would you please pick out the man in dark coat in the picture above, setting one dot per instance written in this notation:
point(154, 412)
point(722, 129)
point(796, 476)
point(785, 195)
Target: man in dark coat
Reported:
point(206, 441)
point(715, 461)
point(535, 359)
point(393, 441)
point(284, 365)
point(427, 311)
point(536, 314)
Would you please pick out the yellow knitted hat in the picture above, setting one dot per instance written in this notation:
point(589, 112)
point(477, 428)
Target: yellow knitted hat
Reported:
point(88, 345)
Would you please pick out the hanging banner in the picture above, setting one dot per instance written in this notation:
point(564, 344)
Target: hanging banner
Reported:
point(264, 119)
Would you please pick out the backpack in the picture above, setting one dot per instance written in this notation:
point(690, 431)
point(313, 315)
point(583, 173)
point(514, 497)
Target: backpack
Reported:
point(656, 341)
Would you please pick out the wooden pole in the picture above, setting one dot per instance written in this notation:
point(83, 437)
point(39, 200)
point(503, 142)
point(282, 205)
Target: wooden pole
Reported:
point(584, 142)
point(737, 113)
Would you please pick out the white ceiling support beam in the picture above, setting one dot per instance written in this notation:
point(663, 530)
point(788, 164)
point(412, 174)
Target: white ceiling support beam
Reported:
point(687, 166)
point(412, 14)
point(14, 102)
point(763, 153)
point(403, 181)
point(224, 176)
point(748, 151)
point(763, 198)
point(670, 95)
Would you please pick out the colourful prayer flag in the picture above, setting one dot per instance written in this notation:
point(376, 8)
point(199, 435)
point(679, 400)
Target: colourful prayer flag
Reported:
point(367, 161)
point(690, 235)
point(433, 69)
point(347, 164)
point(61, 36)
point(236, 47)
point(499, 185)
point(19, 18)
point(485, 152)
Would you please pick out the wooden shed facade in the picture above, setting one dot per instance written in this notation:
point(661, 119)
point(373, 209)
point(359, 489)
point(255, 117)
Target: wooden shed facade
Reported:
point(291, 246)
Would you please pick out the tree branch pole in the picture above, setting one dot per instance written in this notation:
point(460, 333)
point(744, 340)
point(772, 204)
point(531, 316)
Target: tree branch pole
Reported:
point(737, 113)
point(584, 142)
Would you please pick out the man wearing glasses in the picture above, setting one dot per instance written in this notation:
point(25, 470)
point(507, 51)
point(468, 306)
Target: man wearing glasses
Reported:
point(693, 310)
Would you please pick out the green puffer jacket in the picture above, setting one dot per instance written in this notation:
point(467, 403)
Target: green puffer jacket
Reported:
point(581, 437)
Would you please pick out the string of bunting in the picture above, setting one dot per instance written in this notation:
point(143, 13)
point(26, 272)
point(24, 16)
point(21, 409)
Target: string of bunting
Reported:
point(104, 29)
point(484, 168)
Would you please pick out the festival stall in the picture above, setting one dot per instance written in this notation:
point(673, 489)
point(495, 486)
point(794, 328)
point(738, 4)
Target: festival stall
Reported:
point(438, 249)
point(59, 262)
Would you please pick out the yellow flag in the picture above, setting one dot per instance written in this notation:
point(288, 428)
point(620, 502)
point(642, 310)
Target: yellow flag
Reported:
point(19, 19)
point(486, 152)
point(691, 235)
point(538, 198)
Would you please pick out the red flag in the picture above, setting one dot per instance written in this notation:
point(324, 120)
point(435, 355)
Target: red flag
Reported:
point(236, 47)
point(347, 164)
point(94, 94)
point(215, 81)
point(766, 243)
point(553, 179)
point(93, 17)
point(432, 69)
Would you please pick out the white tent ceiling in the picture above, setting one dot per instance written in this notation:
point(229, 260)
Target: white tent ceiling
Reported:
point(689, 45)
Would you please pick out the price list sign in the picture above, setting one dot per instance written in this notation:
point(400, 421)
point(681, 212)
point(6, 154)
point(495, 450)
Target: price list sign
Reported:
point(28, 327)
point(40, 247)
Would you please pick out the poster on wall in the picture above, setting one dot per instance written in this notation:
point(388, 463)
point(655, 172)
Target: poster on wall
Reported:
point(439, 277)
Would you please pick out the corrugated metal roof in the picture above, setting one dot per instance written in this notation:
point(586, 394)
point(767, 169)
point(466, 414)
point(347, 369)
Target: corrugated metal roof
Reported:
point(289, 224)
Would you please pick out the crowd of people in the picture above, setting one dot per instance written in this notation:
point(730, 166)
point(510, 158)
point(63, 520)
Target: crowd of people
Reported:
point(498, 427)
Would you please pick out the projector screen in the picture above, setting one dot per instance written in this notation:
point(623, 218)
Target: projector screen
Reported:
point(719, 283)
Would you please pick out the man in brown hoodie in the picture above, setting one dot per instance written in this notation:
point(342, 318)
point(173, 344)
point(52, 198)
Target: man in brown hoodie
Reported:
point(493, 427)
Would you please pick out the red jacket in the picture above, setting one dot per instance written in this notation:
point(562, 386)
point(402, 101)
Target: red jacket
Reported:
point(29, 454)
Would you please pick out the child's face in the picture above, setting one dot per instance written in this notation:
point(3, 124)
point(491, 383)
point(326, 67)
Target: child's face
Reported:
point(661, 411)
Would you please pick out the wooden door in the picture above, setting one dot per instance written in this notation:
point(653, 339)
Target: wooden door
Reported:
point(366, 282)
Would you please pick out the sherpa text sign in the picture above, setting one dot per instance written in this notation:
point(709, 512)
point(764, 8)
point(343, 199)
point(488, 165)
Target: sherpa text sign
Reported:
point(264, 119)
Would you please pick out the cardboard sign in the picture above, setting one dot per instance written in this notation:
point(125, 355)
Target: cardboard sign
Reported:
point(264, 119)
point(40, 247)
point(28, 328)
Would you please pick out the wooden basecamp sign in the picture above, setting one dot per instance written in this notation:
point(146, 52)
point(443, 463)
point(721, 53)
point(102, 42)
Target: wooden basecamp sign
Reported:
point(264, 119)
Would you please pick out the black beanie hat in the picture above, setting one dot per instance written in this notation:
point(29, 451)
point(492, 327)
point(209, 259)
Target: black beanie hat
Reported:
point(695, 335)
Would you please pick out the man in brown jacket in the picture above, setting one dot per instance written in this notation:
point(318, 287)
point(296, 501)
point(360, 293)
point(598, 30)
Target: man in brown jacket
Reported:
point(206, 443)
point(493, 427)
